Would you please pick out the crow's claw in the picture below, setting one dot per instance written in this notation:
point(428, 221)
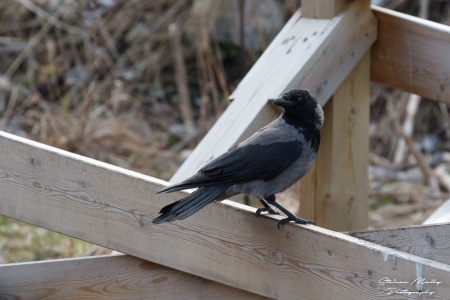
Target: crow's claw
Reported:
point(268, 209)
point(296, 220)
point(265, 208)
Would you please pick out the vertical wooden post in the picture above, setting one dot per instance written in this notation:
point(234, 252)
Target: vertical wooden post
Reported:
point(335, 192)
point(321, 9)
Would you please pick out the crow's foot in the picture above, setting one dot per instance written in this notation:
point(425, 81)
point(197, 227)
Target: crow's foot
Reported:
point(268, 209)
point(296, 220)
point(290, 216)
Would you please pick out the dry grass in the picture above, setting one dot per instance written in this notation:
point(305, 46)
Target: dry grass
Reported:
point(89, 84)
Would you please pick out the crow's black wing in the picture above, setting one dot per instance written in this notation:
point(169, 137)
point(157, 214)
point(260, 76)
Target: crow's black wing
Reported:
point(243, 164)
point(252, 162)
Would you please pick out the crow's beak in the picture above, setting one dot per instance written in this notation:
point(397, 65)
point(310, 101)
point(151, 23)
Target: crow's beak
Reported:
point(283, 103)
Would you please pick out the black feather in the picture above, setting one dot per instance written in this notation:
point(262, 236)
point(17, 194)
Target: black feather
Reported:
point(190, 204)
point(167, 208)
point(237, 166)
point(264, 162)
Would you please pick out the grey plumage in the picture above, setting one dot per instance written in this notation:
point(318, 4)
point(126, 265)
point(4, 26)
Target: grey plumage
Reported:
point(267, 163)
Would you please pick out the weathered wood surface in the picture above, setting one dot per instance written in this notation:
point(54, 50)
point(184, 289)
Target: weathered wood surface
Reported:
point(225, 242)
point(412, 54)
point(429, 241)
point(107, 277)
point(321, 9)
point(335, 192)
point(307, 53)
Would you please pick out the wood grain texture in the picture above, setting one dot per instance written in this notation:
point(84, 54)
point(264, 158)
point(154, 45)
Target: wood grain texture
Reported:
point(429, 241)
point(223, 242)
point(107, 277)
point(307, 53)
point(335, 192)
point(321, 9)
point(412, 54)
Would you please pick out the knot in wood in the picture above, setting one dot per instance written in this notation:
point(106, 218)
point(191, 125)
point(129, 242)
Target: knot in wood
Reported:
point(430, 241)
point(275, 256)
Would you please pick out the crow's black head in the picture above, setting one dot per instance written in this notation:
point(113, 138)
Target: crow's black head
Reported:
point(300, 108)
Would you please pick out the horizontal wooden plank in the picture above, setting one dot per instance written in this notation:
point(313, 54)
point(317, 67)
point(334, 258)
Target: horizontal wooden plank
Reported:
point(107, 277)
point(412, 54)
point(226, 243)
point(430, 241)
point(308, 53)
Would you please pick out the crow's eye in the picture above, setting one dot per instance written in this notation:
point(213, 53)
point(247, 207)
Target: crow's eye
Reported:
point(300, 99)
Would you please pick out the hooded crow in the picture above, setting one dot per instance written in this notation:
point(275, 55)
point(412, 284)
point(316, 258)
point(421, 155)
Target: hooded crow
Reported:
point(265, 164)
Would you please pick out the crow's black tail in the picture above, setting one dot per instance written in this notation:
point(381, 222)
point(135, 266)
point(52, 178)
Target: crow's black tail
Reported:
point(189, 205)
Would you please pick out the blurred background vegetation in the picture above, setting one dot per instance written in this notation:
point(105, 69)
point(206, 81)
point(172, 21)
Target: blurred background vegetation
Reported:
point(138, 84)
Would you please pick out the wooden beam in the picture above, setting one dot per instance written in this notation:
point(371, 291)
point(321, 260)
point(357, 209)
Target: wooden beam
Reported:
point(430, 241)
point(307, 53)
point(440, 215)
point(321, 9)
point(107, 277)
point(335, 192)
point(226, 243)
point(412, 54)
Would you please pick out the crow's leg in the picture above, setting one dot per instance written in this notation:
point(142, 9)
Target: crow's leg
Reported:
point(291, 217)
point(266, 208)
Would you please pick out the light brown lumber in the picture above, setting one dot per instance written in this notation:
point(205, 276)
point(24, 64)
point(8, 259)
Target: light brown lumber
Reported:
point(107, 277)
point(321, 9)
point(226, 243)
point(307, 53)
point(412, 54)
point(428, 241)
point(441, 215)
point(334, 194)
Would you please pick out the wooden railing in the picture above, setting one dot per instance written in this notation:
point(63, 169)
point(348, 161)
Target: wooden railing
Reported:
point(224, 251)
